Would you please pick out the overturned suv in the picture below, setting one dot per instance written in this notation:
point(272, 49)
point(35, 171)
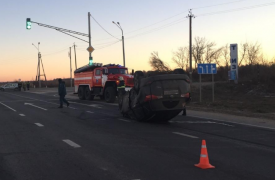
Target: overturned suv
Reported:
point(156, 96)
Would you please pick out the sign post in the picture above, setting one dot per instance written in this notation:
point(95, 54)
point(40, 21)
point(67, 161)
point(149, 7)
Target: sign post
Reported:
point(234, 62)
point(207, 69)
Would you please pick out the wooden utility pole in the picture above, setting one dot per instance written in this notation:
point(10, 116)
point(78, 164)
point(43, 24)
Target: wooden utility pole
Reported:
point(75, 56)
point(190, 16)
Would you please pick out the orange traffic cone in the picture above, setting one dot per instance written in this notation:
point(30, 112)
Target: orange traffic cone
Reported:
point(204, 161)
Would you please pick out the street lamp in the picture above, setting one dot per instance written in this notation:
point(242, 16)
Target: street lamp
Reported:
point(119, 26)
point(38, 65)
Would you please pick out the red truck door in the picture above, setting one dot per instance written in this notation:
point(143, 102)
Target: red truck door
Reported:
point(98, 78)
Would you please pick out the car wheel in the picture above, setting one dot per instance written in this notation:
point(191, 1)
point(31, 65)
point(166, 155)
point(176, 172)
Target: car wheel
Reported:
point(88, 94)
point(110, 94)
point(81, 94)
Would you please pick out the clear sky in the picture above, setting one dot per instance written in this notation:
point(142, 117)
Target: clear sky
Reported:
point(19, 58)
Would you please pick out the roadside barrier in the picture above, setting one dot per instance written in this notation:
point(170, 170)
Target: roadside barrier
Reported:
point(204, 160)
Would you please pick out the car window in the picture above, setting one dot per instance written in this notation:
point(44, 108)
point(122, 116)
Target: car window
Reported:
point(97, 72)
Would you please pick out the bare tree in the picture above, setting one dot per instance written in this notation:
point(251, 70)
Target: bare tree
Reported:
point(217, 55)
point(243, 52)
point(198, 49)
point(253, 51)
point(205, 51)
point(263, 59)
point(181, 57)
point(250, 53)
point(157, 64)
point(226, 56)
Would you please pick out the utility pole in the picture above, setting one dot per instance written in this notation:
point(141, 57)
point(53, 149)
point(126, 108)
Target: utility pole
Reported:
point(38, 65)
point(68, 32)
point(75, 56)
point(119, 26)
point(39, 80)
point(190, 16)
point(89, 32)
point(71, 67)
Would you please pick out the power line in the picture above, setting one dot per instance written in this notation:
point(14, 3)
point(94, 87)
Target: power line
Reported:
point(218, 4)
point(159, 28)
point(108, 45)
point(238, 9)
point(55, 52)
point(156, 22)
point(103, 28)
point(101, 47)
point(145, 26)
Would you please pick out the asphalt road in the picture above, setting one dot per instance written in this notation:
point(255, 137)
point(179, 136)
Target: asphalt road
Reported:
point(90, 140)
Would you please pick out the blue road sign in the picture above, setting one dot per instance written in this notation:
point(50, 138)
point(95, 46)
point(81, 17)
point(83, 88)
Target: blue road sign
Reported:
point(233, 75)
point(207, 69)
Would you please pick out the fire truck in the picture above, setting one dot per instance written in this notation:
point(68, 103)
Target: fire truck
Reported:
point(98, 80)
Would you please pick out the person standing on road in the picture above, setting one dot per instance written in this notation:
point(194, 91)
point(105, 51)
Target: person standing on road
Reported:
point(19, 85)
point(62, 93)
point(24, 85)
point(28, 85)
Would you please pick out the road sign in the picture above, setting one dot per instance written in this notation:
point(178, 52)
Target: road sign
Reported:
point(234, 61)
point(207, 69)
point(232, 75)
point(90, 49)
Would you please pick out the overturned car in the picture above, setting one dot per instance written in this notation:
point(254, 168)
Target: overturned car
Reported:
point(155, 96)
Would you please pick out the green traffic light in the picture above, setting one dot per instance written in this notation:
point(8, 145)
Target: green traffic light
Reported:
point(28, 23)
point(91, 61)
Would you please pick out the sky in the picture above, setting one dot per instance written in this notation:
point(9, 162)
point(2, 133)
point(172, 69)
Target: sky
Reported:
point(148, 25)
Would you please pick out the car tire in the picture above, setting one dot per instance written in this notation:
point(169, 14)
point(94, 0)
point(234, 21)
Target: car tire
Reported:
point(88, 94)
point(81, 93)
point(137, 77)
point(110, 94)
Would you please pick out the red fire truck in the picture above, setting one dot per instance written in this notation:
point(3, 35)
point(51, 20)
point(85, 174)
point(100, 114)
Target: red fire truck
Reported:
point(97, 80)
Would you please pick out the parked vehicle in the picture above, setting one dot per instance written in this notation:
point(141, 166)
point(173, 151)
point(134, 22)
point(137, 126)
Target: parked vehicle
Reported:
point(9, 86)
point(156, 97)
point(98, 80)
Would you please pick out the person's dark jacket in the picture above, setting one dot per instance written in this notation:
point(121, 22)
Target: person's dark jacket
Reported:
point(62, 89)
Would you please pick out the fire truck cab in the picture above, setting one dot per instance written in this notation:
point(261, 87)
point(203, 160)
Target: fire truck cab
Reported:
point(97, 80)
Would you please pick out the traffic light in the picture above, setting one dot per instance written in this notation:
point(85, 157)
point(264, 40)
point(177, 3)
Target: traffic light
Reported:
point(28, 23)
point(90, 61)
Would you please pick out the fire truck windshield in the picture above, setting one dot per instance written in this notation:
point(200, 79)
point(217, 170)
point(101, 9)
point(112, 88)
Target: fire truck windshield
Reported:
point(117, 71)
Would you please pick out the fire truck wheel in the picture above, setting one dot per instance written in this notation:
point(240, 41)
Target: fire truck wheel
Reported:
point(101, 97)
point(81, 94)
point(88, 94)
point(110, 95)
point(137, 76)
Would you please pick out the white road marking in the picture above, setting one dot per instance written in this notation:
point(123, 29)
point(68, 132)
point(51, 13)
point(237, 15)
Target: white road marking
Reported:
point(89, 112)
point(202, 122)
point(30, 104)
point(90, 105)
point(71, 143)
point(38, 124)
point(17, 100)
point(186, 135)
point(124, 120)
point(8, 107)
point(22, 114)
point(235, 122)
point(37, 100)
